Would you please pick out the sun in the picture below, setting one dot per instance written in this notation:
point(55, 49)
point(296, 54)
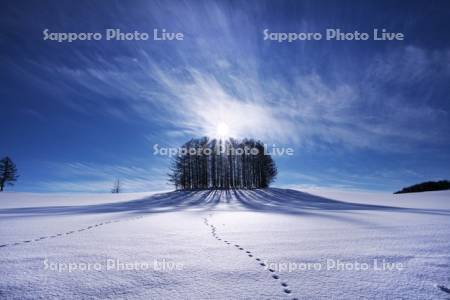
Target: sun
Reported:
point(222, 130)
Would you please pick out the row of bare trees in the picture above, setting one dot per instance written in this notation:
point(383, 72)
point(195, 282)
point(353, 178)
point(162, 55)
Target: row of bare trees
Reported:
point(222, 164)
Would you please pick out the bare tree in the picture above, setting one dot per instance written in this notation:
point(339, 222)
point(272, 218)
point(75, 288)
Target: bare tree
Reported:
point(228, 165)
point(117, 188)
point(8, 172)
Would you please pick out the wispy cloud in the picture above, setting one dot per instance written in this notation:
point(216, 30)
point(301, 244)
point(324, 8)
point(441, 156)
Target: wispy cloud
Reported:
point(90, 177)
point(305, 110)
point(225, 73)
point(390, 99)
point(381, 179)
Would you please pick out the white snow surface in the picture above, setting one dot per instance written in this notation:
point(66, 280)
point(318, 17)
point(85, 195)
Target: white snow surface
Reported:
point(239, 244)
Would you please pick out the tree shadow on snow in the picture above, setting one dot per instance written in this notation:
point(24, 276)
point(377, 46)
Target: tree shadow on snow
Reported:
point(272, 200)
point(296, 202)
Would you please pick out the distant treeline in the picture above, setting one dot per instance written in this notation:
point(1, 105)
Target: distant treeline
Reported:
point(426, 186)
point(219, 164)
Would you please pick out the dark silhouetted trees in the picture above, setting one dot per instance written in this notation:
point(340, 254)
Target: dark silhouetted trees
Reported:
point(8, 172)
point(222, 164)
point(117, 187)
point(426, 187)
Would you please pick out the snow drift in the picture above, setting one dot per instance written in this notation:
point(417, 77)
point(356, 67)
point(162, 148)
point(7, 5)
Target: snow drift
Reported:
point(225, 244)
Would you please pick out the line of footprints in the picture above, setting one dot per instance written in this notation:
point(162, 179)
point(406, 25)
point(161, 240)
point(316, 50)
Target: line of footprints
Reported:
point(285, 286)
point(69, 232)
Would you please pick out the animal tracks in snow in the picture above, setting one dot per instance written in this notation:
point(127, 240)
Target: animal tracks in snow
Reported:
point(68, 232)
point(285, 287)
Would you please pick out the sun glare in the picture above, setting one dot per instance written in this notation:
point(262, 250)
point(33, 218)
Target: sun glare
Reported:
point(222, 130)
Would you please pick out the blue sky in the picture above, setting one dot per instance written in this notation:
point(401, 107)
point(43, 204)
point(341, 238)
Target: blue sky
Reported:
point(359, 114)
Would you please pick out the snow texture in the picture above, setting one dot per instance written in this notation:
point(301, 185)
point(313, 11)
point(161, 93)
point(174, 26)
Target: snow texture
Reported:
point(238, 244)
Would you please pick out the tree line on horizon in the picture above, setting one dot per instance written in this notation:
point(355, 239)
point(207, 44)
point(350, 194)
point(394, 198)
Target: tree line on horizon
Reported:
point(222, 164)
point(427, 186)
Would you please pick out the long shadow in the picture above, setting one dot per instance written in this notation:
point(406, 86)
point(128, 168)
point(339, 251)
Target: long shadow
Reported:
point(266, 200)
point(166, 202)
point(254, 203)
point(296, 202)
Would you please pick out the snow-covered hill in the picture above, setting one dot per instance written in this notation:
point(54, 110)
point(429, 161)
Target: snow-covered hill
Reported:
point(261, 244)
